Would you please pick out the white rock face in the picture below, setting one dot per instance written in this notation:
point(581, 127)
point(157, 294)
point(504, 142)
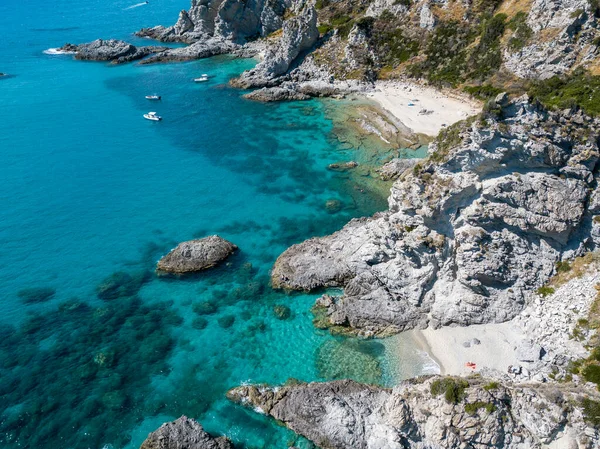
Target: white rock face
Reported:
point(299, 34)
point(348, 415)
point(563, 34)
point(468, 234)
point(427, 20)
point(233, 20)
point(377, 7)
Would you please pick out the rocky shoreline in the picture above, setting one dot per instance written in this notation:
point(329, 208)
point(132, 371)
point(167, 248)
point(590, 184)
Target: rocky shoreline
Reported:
point(473, 234)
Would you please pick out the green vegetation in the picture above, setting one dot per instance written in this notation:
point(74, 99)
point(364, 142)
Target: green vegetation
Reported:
point(563, 267)
point(591, 411)
point(579, 90)
point(594, 7)
point(545, 290)
point(447, 139)
point(453, 389)
point(491, 386)
point(473, 407)
point(389, 40)
point(446, 54)
point(487, 56)
point(591, 373)
point(324, 28)
point(483, 92)
point(522, 33)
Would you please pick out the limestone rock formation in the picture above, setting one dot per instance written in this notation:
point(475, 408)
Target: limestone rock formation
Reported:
point(196, 255)
point(110, 50)
point(234, 20)
point(470, 232)
point(563, 33)
point(299, 34)
point(447, 413)
point(396, 167)
point(184, 433)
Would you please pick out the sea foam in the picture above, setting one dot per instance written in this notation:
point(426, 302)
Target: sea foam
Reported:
point(58, 51)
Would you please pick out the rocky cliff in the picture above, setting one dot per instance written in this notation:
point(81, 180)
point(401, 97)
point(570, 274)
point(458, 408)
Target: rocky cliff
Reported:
point(470, 231)
point(428, 413)
point(304, 45)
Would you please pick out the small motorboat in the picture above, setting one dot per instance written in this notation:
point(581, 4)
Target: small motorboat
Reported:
point(152, 116)
point(152, 97)
point(203, 77)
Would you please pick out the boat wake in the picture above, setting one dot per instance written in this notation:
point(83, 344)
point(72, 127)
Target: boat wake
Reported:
point(58, 51)
point(137, 5)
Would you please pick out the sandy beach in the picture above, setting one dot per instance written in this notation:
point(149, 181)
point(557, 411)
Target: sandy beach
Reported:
point(423, 109)
point(453, 347)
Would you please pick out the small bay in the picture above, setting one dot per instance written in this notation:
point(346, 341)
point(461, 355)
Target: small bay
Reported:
point(92, 195)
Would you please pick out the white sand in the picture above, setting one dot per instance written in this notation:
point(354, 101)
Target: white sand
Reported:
point(446, 109)
point(496, 350)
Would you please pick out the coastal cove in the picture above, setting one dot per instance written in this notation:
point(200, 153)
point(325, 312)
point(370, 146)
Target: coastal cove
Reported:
point(94, 195)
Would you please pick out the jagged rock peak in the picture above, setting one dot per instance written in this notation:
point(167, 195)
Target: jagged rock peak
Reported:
point(300, 33)
point(234, 20)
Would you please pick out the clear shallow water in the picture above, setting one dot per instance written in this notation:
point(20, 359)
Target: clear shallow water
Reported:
point(103, 351)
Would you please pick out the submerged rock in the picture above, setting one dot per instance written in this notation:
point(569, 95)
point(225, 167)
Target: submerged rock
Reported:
point(196, 255)
point(184, 433)
point(282, 312)
point(333, 205)
point(36, 294)
point(342, 166)
point(121, 284)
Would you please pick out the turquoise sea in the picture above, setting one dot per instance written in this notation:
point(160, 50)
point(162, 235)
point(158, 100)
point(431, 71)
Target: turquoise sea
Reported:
point(96, 351)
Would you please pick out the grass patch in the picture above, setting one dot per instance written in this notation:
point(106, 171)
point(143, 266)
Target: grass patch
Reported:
point(491, 386)
point(566, 271)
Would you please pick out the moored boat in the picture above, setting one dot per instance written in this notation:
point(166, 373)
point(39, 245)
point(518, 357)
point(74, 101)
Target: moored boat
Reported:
point(152, 97)
point(152, 116)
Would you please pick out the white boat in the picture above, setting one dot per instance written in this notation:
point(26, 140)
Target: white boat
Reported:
point(152, 116)
point(203, 77)
point(152, 97)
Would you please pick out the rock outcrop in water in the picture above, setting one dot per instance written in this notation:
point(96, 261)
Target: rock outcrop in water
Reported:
point(184, 433)
point(112, 50)
point(376, 39)
point(470, 232)
point(196, 255)
point(214, 27)
point(447, 413)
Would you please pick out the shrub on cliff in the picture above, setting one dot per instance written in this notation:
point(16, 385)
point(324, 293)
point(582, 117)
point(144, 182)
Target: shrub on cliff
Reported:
point(453, 389)
point(579, 90)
